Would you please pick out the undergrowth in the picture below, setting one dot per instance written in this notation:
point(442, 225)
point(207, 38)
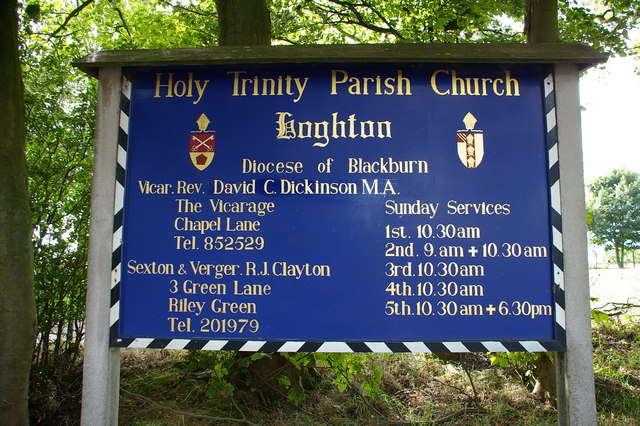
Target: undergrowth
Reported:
point(617, 369)
point(350, 389)
point(160, 387)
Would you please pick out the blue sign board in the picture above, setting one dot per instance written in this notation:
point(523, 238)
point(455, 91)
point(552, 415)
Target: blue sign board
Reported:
point(313, 203)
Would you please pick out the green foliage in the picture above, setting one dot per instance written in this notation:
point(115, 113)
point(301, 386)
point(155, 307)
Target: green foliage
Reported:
point(128, 24)
point(218, 365)
point(599, 317)
point(400, 21)
point(60, 117)
point(302, 362)
point(617, 368)
point(229, 371)
point(523, 363)
point(157, 388)
point(60, 111)
point(353, 370)
point(604, 24)
point(614, 208)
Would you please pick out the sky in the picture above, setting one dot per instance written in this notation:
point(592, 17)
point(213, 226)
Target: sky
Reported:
point(610, 98)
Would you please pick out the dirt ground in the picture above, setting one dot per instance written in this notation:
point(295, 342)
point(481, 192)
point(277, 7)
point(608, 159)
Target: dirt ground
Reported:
point(614, 286)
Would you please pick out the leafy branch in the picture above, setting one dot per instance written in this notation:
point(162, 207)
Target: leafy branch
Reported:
point(362, 21)
point(75, 12)
point(186, 9)
point(474, 398)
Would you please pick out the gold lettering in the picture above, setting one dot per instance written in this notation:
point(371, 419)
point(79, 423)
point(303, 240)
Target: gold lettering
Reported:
point(288, 128)
point(495, 86)
point(268, 87)
point(473, 86)
point(476, 86)
point(484, 85)
point(169, 85)
point(337, 124)
point(190, 86)
point(388, 84)
point(179, 88)
point(352, 120)
point(455, 80)
point(335, 82)
point(399, 85)
point(403, 80)
point(236, 78)
point(516, 85)
point(354, 89)
point(262, 86)
point(434, 86)
point(220, 307)
point(285, 128)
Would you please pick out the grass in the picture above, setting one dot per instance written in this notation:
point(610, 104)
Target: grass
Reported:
point(617, 370)
point(160, 387)
point(179, 388)
point(414, 388)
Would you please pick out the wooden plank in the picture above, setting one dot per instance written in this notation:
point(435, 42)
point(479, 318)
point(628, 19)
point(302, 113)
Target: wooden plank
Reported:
point(576, 53)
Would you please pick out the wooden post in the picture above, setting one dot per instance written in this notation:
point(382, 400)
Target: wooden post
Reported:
point(574, 368)
point(101, 369)
point(575, 383)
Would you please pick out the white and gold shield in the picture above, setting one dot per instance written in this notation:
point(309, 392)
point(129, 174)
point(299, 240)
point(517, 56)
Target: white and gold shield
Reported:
point(470, 143)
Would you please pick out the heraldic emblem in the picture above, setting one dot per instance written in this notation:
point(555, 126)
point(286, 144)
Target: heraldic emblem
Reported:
point(470, 143)
point(202, 144)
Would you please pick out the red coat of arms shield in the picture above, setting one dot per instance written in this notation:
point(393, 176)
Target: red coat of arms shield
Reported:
point(202, 146)
point(202, 149)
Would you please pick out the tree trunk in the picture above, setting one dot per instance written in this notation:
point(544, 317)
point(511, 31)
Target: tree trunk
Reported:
point(541, 21)
point(243, 23)
point(17, 306)
point(620, 257)
point(546, 379)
